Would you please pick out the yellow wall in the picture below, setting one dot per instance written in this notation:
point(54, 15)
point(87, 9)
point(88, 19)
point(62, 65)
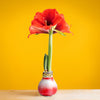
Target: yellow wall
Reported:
point(76, 59)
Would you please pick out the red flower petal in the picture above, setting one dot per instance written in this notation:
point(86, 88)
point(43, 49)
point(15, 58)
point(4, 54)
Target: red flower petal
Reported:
point(39, 18)
point(49, 15)
point(36, 23)
point(34, 29)
point(57, 19)
point(63, 26)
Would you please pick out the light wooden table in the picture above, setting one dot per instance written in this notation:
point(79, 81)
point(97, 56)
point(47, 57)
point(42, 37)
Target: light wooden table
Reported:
point(60, 95)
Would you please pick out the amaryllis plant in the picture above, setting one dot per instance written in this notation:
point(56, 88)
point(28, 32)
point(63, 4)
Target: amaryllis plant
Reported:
point(49, 22)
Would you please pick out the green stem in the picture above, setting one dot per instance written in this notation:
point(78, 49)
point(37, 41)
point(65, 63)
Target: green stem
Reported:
point(50, 50)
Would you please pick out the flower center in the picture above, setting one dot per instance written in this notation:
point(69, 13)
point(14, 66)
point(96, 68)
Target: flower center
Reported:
point(47, 22)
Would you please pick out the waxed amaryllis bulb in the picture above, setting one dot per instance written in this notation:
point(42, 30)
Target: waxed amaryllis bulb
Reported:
point(47, 86)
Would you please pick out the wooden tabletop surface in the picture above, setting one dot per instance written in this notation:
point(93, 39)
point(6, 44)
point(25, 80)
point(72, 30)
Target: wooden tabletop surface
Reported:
point(60, 95)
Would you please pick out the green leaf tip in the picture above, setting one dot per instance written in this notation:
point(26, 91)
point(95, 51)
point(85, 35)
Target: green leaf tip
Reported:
point(45, 62)
point(54, 27)
point(36, 34)
point(60, 32)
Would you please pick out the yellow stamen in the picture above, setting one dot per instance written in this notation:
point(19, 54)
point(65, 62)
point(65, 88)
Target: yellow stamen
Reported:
point(45, 22)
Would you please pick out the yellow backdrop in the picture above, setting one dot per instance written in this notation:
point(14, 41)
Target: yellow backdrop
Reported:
point(76, 58)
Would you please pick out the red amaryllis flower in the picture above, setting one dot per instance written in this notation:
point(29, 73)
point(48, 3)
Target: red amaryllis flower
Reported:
point(43, 22)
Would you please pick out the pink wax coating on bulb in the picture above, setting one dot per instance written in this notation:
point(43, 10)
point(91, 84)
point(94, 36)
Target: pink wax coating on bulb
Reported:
point(47, 86)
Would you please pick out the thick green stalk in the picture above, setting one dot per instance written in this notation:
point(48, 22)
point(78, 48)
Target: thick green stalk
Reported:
point(50, 49)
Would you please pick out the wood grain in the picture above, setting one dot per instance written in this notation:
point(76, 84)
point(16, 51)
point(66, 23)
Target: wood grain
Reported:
point(60, 95)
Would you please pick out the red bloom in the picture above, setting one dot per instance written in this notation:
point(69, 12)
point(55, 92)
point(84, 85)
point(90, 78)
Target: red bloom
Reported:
point(43, 22)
